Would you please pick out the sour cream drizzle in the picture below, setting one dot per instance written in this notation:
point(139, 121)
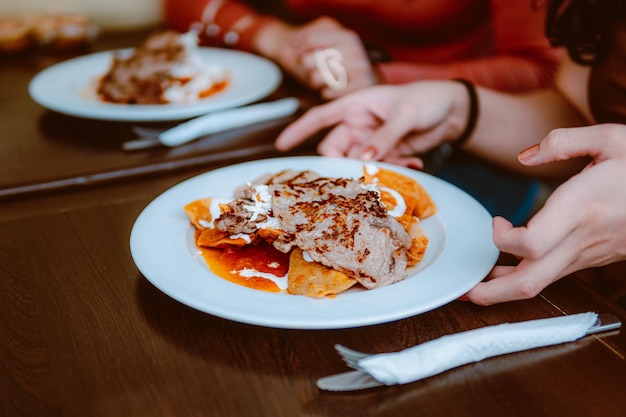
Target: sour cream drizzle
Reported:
point(262, 201)
point(215, 211)
point(400, 207)
point(201, 77)
point(243, 236)
point(281, 282)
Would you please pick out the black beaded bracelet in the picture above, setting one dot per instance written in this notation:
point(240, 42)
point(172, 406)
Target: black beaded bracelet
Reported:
point(472, 117)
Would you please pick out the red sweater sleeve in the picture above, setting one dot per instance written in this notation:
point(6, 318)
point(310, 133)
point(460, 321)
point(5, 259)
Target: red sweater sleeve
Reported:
point(523, 58)
point(225, 18)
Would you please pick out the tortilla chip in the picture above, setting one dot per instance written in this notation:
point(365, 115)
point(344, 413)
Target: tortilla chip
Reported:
point(314, 279)
point(419, 243)
point(270, 235)
point(418, 201)
point(426, 207)
point(213, 238)
point(199, 212)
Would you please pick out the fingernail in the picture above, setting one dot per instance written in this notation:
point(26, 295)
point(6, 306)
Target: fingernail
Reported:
point(463, 298)
point(369, 154)
point(528, 153)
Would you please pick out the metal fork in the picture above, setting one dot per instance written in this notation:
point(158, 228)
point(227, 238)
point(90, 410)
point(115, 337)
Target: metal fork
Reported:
point(351, 357)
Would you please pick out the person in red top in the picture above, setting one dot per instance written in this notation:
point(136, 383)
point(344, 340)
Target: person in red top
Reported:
point(493, 43)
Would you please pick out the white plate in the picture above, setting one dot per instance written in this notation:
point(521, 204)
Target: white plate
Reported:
point(459, 255)
point(69, 87)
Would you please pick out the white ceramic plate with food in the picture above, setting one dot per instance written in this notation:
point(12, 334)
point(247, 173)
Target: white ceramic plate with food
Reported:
point(460, 253)
point(69, 87)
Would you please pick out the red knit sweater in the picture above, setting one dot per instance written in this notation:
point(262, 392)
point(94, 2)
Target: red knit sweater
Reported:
point(495, 43)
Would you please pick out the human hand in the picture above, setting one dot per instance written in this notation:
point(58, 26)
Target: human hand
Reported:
point(299, 57)
point(580, 226)
point(390, 123)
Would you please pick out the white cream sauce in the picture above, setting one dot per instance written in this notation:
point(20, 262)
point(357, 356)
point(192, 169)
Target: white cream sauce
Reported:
point(281, 282)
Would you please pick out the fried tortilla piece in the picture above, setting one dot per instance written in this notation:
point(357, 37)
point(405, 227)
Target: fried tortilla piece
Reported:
point(313, 279)
point(269, 234)
point(199, 212)
point(418, 202)
point(213, 238)
point(426, 207)
point(419, 242)
point(200, 215)
point(204, 211)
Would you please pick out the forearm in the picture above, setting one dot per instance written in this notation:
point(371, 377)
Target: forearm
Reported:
point(508, 124)
point(504, 73)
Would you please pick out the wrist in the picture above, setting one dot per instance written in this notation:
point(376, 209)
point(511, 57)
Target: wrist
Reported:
point(468, 110)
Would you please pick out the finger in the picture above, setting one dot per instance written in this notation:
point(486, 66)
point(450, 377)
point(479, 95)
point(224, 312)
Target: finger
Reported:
point(311, 122)
point(406, 161)
point(330, 94)
point(315, 80)
point(421, 141)
point(499, 271)
point(308, 61)
point(382, 142)
point(337, 143)
point(297, 69)
point(544, 231)
point(597, 141)
point(528, 278)
point(523, 282)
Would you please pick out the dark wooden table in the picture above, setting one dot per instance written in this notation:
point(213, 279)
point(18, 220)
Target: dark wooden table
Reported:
point(83, 333)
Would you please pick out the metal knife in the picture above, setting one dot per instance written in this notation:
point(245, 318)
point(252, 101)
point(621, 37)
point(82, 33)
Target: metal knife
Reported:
point(217, 122)
point(347, 381)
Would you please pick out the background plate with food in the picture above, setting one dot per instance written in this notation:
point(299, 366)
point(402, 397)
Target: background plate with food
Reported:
point(69, 87)
point(460, 253)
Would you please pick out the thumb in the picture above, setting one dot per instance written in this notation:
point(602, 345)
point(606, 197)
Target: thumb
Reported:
point(568, 143)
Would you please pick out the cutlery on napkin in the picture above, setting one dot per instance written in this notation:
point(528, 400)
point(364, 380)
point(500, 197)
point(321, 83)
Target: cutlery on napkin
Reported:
point(450, 351)
point(218, 121)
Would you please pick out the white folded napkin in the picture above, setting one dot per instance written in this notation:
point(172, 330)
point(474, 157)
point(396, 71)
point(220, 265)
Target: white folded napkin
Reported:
point(447, 352)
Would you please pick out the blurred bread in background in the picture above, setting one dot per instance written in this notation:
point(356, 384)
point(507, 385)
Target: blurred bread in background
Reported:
point(106, 14)
point(67, 24)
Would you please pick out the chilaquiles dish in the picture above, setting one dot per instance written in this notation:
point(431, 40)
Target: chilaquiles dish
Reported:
point(306, 234)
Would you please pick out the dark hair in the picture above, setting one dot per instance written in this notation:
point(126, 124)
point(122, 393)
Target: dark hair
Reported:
point(583, 27)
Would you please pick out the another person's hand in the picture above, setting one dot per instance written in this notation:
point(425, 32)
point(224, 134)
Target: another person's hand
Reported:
point(581, 225)
point(327, 33)
point(389, 123)
point(294, 48)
